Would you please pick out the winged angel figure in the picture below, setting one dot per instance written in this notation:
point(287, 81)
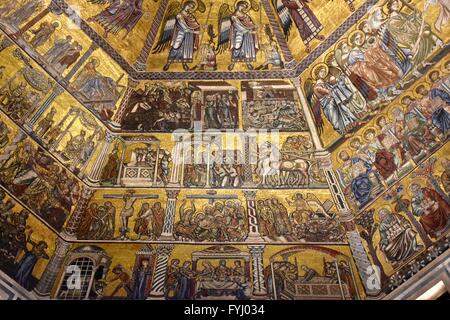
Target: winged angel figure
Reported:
point(306, 21)
point(120, 14)
point(180, 32)
point(238, 32)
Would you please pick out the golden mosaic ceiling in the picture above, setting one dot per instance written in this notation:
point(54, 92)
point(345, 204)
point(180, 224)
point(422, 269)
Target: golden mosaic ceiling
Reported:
point(264, 148)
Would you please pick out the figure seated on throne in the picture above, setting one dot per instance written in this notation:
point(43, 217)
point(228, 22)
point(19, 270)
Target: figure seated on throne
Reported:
point(397, 238)
point(99, 91)
point(75, 146)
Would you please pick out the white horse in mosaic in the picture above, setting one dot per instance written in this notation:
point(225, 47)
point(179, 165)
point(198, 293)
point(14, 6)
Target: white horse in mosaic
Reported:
point(273, 170)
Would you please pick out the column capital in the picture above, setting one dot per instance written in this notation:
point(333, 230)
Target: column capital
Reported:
point(61, 247)
point(87, 193)
point(68, 233)
point(250, 194)
point(109, 137)
point(172, 193)
point(347, 219)
point(324, 159)
point(164, 249)
point(256, 249)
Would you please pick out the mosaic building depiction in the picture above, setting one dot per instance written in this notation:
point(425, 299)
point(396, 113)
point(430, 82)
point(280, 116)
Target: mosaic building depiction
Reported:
point(240, 149)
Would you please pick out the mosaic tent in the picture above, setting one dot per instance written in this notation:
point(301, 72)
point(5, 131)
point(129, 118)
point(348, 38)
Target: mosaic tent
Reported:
point(232, 149)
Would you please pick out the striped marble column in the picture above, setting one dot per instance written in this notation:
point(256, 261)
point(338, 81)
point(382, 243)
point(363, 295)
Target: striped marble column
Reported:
point(160, 271)
point(253, 227)
point(259, 288)
point(169, 217)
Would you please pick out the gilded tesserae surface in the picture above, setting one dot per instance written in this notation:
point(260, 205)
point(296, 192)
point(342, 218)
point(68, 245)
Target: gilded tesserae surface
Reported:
point(239, 149)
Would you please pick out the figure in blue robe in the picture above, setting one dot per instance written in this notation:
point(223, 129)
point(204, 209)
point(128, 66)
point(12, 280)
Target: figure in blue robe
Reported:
point(335, 99)
point(361, 185)
point(184, 283)
point(28, 262)
point(141, 277)
point(440, 117)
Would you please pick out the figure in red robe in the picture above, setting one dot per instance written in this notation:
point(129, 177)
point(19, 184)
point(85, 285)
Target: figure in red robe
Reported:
point(384, 160)
point(385, 163)
point(432, 209)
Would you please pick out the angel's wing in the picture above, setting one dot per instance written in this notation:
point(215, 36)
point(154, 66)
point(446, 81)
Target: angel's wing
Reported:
point(339, 59)
point(102, 1)
point(168, 26)
point(224, 27)
point(309, 91)
point(284, 16)
point(314, 103)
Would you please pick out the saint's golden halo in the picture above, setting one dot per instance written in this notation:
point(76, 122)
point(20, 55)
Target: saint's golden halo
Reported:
point(387, 208)
point(352, 36)
point(317, 68)
point(358, 139)
point(347, 150)
point(368, 130)
point(58, 23)
point(361, 24)
point(339, 44)
point(95, 61)
point(249, 5)
point(329, 58)
point(190, 1)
